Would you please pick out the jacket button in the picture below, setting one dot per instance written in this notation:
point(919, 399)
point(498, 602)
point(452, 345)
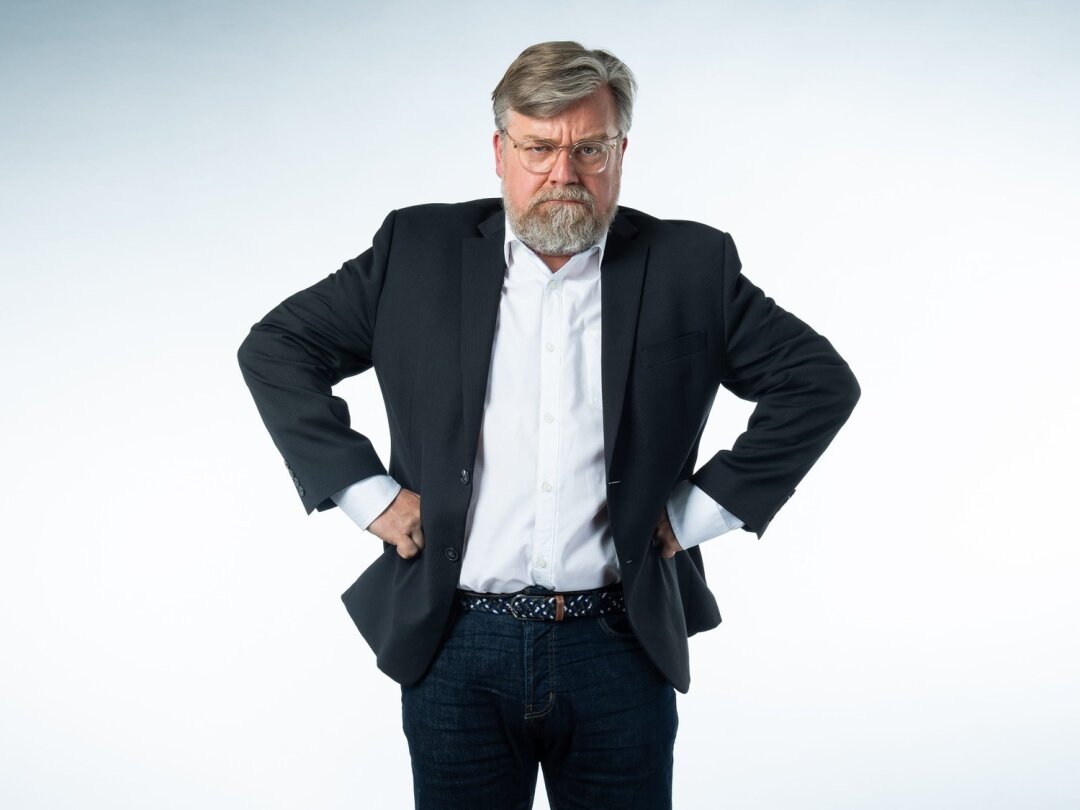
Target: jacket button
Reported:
point(451, 554)
point(465, 476)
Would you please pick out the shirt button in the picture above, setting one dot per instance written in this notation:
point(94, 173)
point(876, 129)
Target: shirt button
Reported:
point(548, 417)
point(465, 476)
point(541, 563)
point(554, 286)
point(451, 554)
point(549, 346)
point(546, 487)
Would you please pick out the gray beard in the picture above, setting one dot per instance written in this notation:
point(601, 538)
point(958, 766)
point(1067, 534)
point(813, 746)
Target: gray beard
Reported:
point(560, 230)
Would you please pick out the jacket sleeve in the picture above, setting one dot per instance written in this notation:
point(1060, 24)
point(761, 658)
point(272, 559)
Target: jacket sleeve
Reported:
point(291, 359)
point(804, 392)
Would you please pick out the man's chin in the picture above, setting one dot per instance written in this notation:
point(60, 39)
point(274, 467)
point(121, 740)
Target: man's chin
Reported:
point(538, 225)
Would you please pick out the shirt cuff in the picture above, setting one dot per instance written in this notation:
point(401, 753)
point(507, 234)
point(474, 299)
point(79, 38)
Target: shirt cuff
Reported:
point(695, 517)
point(367, 499)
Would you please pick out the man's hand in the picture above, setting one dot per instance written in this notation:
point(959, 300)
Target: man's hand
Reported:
point(399, 524)
point(664, 537)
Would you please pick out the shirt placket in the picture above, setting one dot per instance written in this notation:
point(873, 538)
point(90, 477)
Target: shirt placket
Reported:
point(552, 347)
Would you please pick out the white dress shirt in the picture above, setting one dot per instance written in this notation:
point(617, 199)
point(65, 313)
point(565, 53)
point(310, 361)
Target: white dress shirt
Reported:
point(538, 514)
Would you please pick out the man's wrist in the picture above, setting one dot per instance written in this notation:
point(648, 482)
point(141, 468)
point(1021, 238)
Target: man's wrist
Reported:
point(365, 500)
point(695, 517)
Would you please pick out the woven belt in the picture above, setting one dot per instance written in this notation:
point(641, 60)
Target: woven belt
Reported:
point(540, 604)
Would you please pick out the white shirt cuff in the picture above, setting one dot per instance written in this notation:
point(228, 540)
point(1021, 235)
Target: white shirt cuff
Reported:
point(367, 499)
point(695, 517)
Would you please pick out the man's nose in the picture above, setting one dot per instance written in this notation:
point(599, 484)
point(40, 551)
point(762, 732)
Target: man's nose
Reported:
point(563, 173)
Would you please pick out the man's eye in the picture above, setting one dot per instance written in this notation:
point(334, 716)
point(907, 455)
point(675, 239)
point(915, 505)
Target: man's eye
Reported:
point(588, 149)
point(538, 148)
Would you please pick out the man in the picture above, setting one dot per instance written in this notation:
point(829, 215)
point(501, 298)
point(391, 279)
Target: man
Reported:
point(548, 362)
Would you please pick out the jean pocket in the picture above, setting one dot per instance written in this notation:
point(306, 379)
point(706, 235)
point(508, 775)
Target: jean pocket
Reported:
point(617, 625)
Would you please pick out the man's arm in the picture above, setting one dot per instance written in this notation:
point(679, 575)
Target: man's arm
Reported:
point(804, 392)
point(291, 359)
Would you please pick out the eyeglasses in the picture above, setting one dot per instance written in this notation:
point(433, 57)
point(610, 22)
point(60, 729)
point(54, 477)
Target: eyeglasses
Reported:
point(588, 157)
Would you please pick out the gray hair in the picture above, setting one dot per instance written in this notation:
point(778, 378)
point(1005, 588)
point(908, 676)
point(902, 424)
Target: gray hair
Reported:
point(552, 76)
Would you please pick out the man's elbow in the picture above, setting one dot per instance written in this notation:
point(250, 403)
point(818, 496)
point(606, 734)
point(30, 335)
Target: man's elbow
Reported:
point(831, 391)
point(845, 388)
point(245, 351)
point(254, 352)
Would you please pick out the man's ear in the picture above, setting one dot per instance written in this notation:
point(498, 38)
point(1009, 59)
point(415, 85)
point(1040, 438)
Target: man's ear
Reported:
point(496, 142)
point(620, 150)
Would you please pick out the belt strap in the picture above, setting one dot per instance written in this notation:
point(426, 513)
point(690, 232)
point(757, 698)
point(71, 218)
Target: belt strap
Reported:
point(547, 605)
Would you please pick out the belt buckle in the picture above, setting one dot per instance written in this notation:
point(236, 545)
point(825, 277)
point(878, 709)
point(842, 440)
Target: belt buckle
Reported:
point(513, 601)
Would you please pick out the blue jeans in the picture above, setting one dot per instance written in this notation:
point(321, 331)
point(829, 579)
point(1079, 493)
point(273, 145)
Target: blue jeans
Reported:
point(579, 698)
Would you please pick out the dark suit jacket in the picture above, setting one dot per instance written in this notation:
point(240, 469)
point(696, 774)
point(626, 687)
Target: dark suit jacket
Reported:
point(679, 320)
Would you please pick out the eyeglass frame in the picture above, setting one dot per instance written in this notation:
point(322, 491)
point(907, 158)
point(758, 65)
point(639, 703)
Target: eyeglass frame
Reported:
point(604, 142)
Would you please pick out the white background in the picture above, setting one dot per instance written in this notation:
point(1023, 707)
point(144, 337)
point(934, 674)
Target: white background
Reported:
point(902, 176)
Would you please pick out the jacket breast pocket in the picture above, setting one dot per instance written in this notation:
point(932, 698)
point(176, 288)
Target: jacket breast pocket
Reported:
point(673, 349)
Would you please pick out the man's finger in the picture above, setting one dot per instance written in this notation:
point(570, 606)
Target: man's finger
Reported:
point(418, 537)
point(406, 547)
point(669, 546)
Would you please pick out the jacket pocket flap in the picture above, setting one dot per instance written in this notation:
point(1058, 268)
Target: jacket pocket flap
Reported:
point(671, 349)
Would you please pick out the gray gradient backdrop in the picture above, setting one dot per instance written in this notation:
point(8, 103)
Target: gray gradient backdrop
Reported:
point(903, 176)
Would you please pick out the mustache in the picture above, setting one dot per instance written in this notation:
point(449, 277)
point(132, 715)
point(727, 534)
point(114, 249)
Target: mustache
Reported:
point(566, 193)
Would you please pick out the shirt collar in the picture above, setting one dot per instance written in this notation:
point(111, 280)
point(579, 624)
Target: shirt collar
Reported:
point(508, 237)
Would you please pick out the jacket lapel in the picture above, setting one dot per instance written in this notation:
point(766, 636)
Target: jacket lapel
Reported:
point(621, 276)
point(483, 272)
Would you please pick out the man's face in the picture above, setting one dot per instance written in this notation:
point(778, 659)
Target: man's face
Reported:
point(563, 211)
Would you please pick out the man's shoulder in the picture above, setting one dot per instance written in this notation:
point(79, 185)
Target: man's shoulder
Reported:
point(675, 230)
point(454, 216)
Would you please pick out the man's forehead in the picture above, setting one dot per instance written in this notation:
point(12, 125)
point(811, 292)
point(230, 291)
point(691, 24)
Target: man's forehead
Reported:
point(523, 127)
point(549, 134)
point(593, 118)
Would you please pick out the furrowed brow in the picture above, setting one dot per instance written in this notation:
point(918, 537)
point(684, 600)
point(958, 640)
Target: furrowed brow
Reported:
point(599, 136)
